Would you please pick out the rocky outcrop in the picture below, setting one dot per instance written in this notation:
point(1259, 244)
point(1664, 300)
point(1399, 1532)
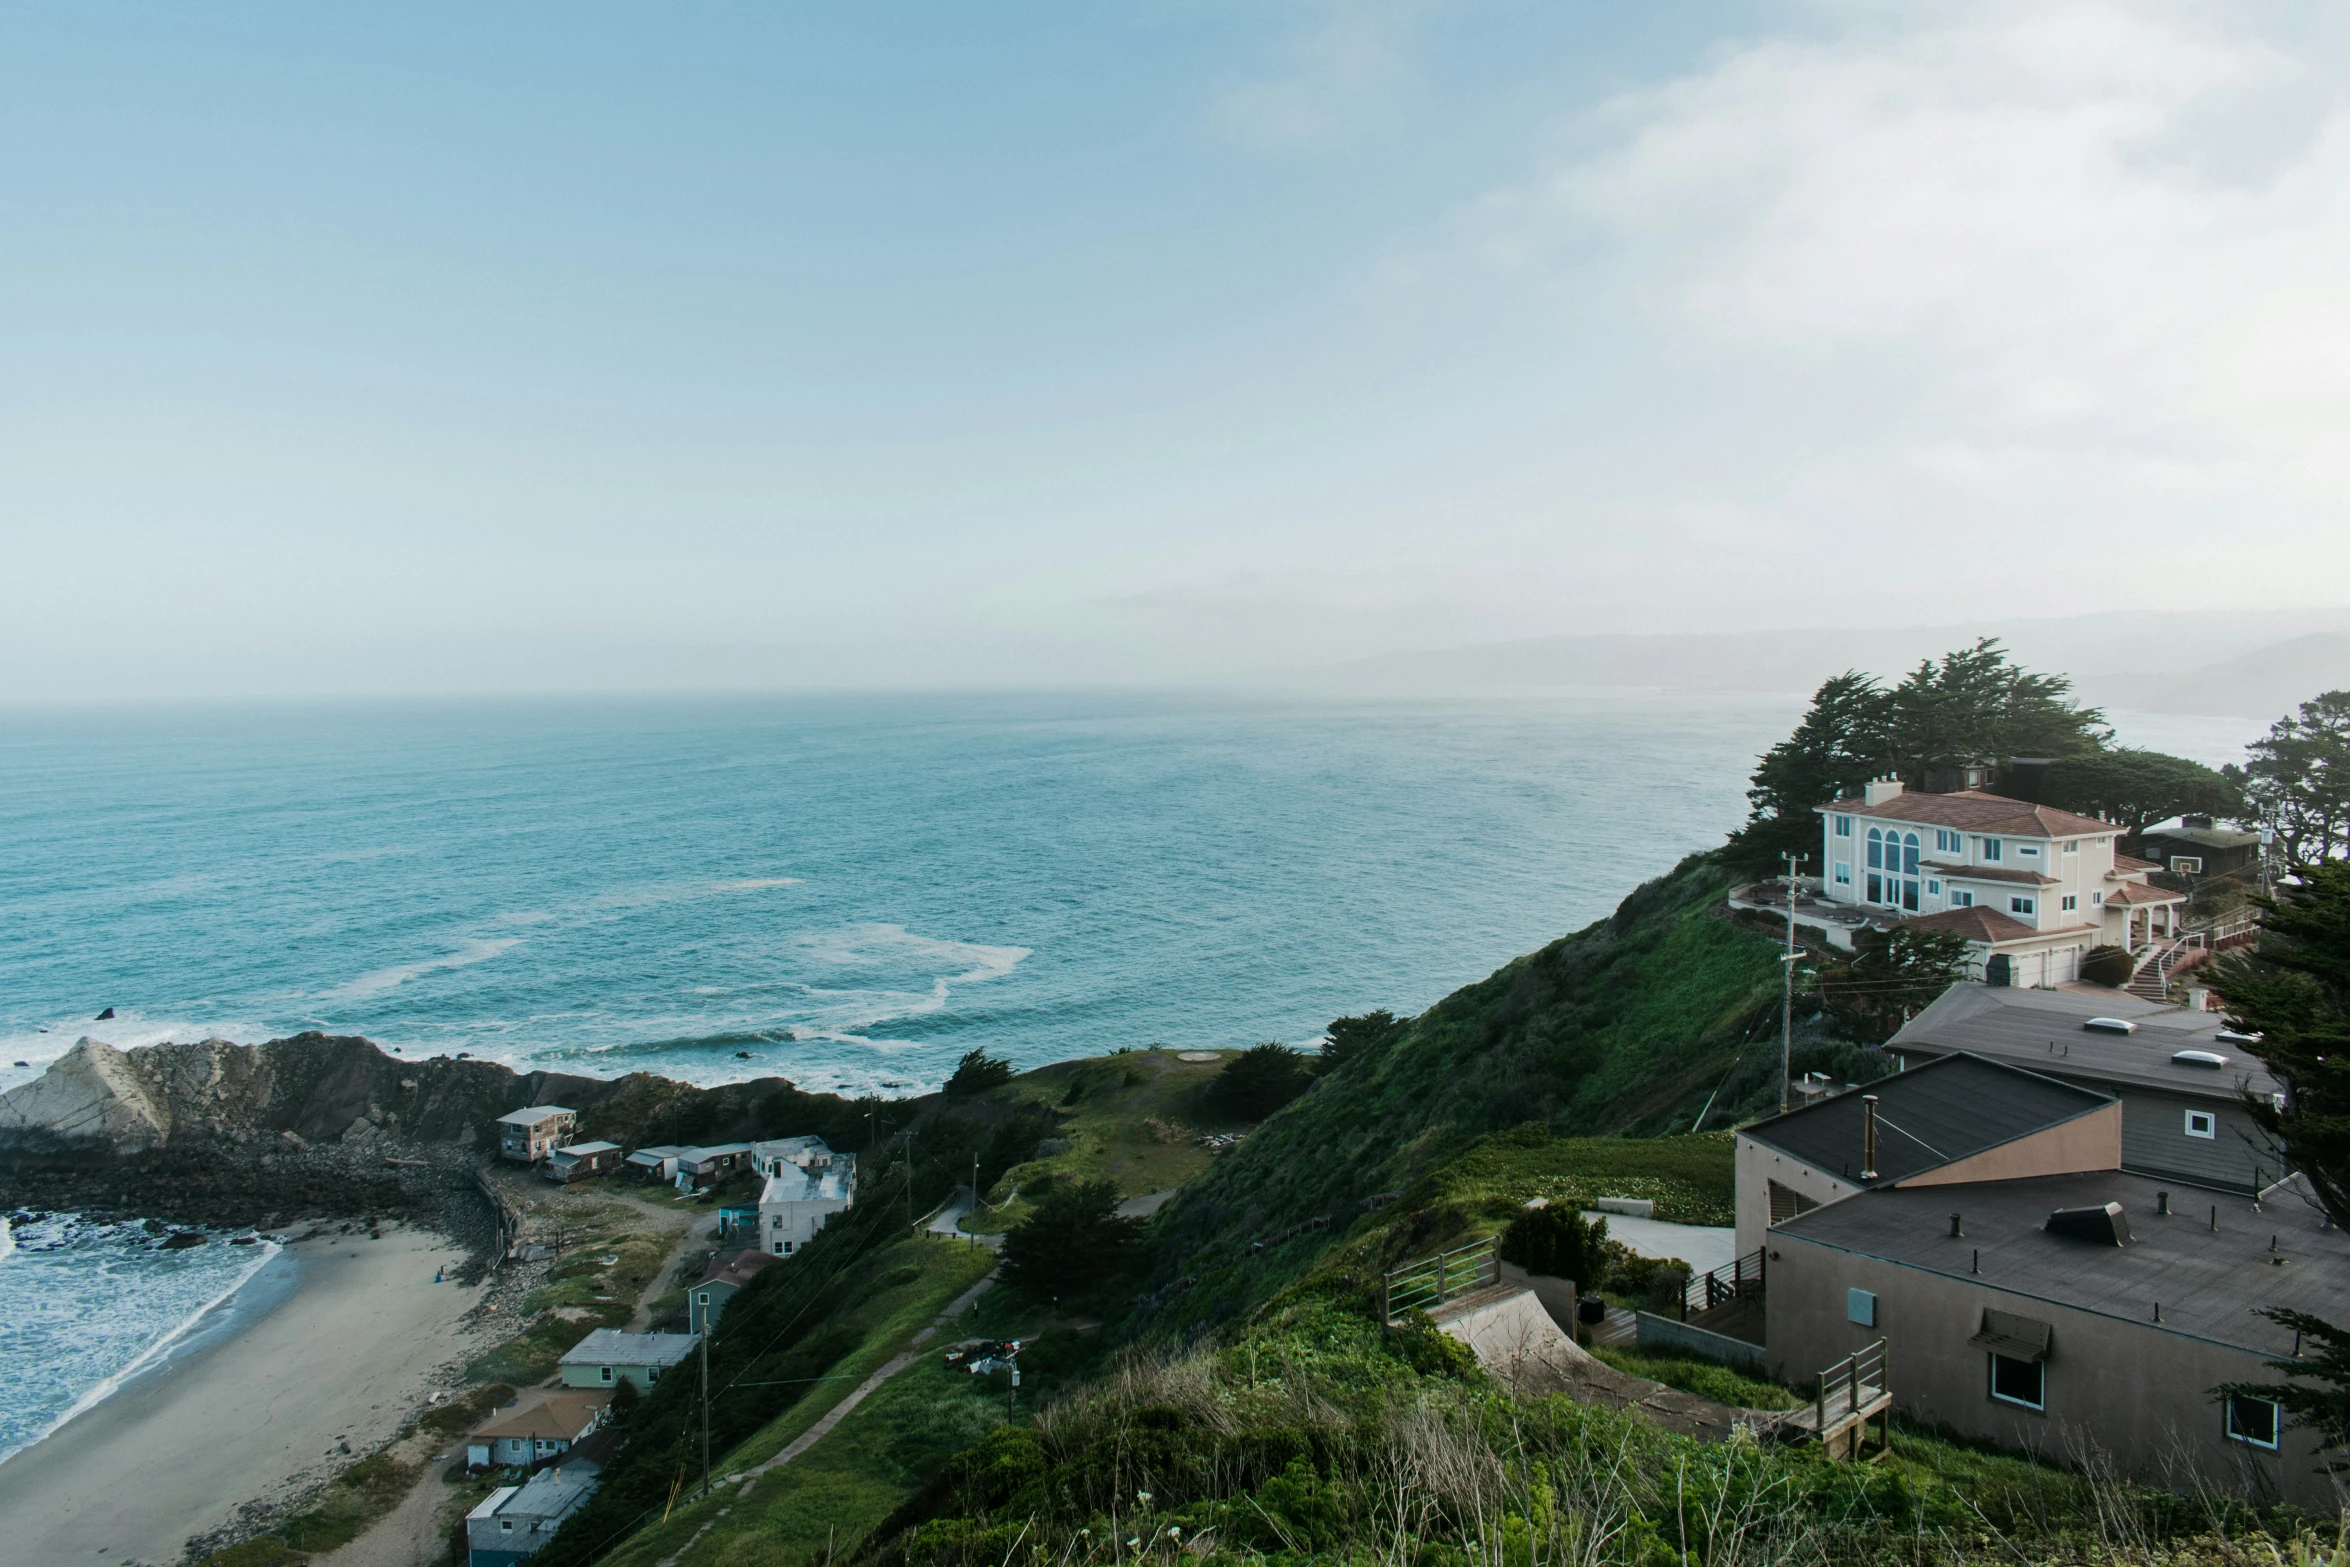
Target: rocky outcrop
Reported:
point(323, 1089)
point(90, 1096)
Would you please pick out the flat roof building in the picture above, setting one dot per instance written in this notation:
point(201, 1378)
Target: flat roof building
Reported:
point(2053, 1313)
point(2181, 1083)
point(535, 1131)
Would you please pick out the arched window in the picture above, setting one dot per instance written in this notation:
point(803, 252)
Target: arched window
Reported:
point(1876, 849)
point(1909, 855)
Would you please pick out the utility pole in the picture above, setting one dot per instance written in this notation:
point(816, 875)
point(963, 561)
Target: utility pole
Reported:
point(975, 1186)
point(1787, 1000)
point(705, 1408)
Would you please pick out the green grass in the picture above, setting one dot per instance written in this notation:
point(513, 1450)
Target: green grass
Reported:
point(358, 1496)
point(261, 1551)
point(1691, 1179)
point(1134, 1121)
point(888, 1439)
point(1702, 1377)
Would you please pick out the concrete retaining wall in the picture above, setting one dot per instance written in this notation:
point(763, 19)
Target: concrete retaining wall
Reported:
point(1664, 1336)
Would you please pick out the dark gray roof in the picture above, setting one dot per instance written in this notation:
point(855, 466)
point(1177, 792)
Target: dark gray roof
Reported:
point(2040, 1030)
point(1928, 1116)
point(2210, 1283)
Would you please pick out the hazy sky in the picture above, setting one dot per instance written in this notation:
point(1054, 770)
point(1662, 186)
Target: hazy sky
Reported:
point(427, 347)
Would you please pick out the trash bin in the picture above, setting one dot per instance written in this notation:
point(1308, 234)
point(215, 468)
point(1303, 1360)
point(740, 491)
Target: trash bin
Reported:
point(1590, 1310)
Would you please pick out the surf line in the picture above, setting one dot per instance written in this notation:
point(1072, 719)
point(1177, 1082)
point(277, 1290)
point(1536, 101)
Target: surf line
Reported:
point(107, 1385)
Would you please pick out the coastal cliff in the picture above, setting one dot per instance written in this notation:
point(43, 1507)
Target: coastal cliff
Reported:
point(227, 1134)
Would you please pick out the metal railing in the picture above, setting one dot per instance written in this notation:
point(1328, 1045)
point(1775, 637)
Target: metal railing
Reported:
point(1738, 1280)
point(1429, 1282)
point(1856, 1382)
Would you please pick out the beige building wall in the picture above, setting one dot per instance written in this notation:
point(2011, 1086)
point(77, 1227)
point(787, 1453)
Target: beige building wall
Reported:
point(1756, 1166)
point(2086, 1142)
point(2138, 1392)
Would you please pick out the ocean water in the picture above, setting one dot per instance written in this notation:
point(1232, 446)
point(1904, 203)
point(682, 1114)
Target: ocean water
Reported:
point(86, 1307)
point(848, 891)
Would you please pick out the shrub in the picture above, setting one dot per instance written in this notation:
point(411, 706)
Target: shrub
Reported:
point(1557, 1241)
point(2109, 966)
point(1259, 1081)
point(1075, 1241)
point(1353, 1038)
point(976, 1073)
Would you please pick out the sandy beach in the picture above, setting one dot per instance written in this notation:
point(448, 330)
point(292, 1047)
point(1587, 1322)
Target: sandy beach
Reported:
point(343, 1357)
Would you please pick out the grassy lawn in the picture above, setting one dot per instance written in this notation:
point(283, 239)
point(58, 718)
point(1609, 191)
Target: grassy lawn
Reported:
point(1689, 1178)
point(1132, 1119)
point(1702, 1377)
point(920, 1428)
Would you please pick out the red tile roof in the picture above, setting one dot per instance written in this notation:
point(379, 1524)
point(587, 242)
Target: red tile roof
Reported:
point(2140, 892)
point(2130, 862)
point(1990, 873)
point(1986, 924)
point(1971, 810)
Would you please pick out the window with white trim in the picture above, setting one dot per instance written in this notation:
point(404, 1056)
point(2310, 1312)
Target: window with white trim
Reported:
point(2203, 1124)
point(2072, 901)
point(2028, 851)
point(1991, 849)
point(1960, 898)
point(1843, 826)
point(2096, 897)
point(2072, 846)
point(1948, 842)
point(1843, 873)
point(2020, 1382)
point(2253, 1420)
point(2019, 904)
point(604, 1373)
point(1933, 889)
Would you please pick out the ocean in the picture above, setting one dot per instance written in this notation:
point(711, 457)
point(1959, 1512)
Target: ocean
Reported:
point(847, 891)
point(850, 892)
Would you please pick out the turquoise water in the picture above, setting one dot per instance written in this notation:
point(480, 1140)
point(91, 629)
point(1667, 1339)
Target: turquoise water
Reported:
point(851, 891)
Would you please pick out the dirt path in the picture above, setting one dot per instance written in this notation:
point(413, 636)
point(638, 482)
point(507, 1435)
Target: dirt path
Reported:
point(415, 1533)
point(643, 1315)
point(840, 1411)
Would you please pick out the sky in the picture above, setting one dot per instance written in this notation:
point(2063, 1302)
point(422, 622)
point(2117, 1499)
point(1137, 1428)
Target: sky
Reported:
point(441, 348)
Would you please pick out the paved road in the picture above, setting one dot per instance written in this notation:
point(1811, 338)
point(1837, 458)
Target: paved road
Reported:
point(1144, 1207)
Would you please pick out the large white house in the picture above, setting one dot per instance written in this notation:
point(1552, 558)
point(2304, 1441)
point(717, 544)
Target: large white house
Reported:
point(807, 1183)
point(2028, 884)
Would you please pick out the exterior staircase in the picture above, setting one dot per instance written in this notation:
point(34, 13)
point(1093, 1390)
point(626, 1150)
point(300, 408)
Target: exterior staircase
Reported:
point(2152, 979)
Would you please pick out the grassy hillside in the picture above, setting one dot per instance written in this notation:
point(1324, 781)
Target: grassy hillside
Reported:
point(1624, 1027)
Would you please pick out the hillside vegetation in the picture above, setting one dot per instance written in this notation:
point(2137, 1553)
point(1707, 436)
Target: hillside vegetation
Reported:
point(1626, 1027)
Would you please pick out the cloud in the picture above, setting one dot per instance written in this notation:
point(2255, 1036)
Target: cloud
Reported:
point(2021, 265)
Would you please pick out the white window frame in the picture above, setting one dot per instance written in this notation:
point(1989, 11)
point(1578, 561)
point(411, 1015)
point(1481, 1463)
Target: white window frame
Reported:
point(603, 1373)
point(1991, 1378)
point(2017, 903)
point(2276, 1421)
point(2030, 851)
point(1960, 898)
point(2203, 1124)
point(2072, 846)
point(1933, 888)
point(2072, 901)
point(1991, 850)
point(1843, 873)
point(2097, 898)
point(1843, 826)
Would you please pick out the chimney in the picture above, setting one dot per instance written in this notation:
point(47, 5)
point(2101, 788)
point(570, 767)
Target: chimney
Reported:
point(1878, 790)
point(1868, 1137)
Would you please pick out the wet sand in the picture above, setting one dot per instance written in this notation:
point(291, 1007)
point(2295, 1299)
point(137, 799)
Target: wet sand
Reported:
point(250, 1415)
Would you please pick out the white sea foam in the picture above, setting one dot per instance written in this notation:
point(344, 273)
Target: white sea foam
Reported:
point(91, 1307)
point(477, 949)
point(876, 945)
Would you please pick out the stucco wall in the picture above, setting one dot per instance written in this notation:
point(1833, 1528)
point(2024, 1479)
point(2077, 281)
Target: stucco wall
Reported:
point(1756, 1166)
point(2139, 1392)
point(2086, 1142)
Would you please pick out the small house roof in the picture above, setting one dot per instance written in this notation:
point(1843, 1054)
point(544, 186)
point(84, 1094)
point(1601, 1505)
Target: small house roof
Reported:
point(737, 1268)
point(611, 1347)
point(2131, 865)
point(555, 1417)
point(588, 1148)
point(1929, 1116)
point(532, 1115)
point(1971, 810)
point(2142, 892)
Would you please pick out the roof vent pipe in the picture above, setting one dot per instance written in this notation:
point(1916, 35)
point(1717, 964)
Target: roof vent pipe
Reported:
point(1868, 1137)
point(2162, 1203)
point(1957, 1229)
